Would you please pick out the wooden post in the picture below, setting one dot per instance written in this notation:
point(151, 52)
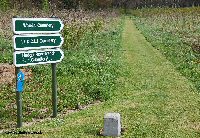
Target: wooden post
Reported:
point(54, 90)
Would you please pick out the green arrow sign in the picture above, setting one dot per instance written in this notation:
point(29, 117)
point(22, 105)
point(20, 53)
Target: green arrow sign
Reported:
point(25, 58)
point(28, 42)
point(37, 25)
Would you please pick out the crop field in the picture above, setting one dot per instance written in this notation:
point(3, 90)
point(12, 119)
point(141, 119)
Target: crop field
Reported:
point(176, 33)
point(88, 72)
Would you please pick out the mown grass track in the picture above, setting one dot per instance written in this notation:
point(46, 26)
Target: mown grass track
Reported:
point(154, 101)
point(175, 32)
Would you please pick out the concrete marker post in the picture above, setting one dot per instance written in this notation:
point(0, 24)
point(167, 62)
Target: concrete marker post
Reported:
point(112, 125)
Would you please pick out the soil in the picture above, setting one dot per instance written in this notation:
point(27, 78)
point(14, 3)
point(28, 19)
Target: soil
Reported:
point(7, 73)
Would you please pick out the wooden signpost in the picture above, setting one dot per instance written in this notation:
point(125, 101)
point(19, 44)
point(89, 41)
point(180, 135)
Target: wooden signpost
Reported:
point(33, 48)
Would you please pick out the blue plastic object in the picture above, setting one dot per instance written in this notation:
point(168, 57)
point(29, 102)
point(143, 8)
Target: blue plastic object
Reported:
point(20, 81)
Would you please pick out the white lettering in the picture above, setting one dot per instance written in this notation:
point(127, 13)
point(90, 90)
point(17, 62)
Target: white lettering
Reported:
point(53, 40)
point(39, 54)
point(26, 55)
point(27, 41)
point(42, 25)
point(34, 41)
point(25, 24)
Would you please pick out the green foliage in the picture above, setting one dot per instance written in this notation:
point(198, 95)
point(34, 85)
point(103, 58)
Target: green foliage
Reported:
point(74, 32)
point(96, 4)
point(87, 73)
point(91, 66)
point(154, 100)
point(4, 5)
point(6, 51)
point(89, 4)
point(175, 32)
point(45, 5)
point(70, 4)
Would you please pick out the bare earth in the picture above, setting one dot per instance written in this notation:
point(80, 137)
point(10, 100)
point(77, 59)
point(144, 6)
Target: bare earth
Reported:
point(7, 73)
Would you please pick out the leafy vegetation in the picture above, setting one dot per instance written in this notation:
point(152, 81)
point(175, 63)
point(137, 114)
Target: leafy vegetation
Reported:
point(45, 5)
point(87, 73)
point(154, 99)
point(93, 4)
point(54, 4)
point(6, 51)
point(175, 32)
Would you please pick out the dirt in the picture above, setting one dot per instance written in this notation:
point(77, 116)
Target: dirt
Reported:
point(7, 73)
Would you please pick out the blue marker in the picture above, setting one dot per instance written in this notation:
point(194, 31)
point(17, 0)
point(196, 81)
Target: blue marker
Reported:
point(20, 81)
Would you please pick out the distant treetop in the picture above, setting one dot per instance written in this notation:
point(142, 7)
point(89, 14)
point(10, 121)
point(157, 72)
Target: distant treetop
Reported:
point(93, 4)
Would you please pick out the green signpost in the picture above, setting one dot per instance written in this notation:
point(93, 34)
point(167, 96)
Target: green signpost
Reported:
point(26, 58)
point(37, 25)
point(28, 42)
point(33, 48)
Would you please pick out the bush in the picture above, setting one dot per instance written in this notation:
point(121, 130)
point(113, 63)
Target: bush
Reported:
point(90, 70)
point(74, 32)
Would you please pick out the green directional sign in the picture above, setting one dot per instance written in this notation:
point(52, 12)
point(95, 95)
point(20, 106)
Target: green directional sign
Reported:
point(25, 58)
point(37, 25)
point(27, 42)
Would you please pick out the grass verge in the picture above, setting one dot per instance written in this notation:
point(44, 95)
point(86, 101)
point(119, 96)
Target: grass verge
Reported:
point(175, 32)
point(154, 100)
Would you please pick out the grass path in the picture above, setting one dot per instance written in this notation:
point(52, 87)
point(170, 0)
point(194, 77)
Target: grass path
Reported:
point(154, 100)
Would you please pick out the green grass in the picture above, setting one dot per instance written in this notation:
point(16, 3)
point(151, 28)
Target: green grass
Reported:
point(6, 51)
point(175, 32)
point(154, 100)
point(87, 73)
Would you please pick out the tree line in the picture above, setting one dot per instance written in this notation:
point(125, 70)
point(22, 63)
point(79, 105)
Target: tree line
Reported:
point(93, 4)
point(155, 3)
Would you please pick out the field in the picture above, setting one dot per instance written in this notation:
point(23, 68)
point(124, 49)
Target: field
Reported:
point(87, 74)
point(154, 101)
point(175, 32)
point(144, 65)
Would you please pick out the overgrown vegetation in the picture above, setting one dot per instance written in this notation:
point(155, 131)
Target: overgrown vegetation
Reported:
point(175, 32)
point(49, 5)
point(154, 100)
point(54, 4)
point(87, 73)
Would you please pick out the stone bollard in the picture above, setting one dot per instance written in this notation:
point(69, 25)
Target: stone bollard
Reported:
point(112, 125)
